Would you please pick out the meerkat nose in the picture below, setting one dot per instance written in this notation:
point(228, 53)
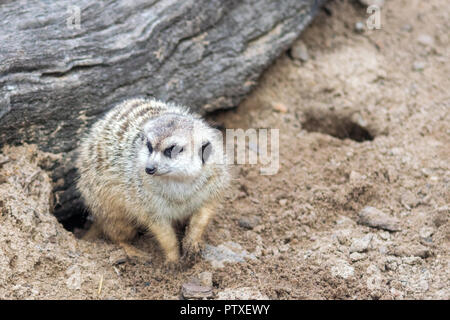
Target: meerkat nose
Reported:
point(150, 169)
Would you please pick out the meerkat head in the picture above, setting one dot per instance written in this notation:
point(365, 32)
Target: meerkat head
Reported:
point(176, 146)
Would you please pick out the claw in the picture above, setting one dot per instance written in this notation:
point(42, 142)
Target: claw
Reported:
point(191, 254)
point(134, 254)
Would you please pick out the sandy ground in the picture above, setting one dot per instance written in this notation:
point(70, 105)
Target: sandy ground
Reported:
point(364, 125)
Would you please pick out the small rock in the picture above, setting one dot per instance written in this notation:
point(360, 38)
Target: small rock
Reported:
point(361, 244)
point(397, 294)
point(412, 260)
point(374, 283)
point(419, 65)
point(359, 27)
point(355, 176)
point(391, 263)
point(368, 3)
point(409, 200)
point(425, 40)
point(228, 252)
point(440, 217)
point(205, 279)
point(356, 256)
point(411, 251)
point(407, 27)
point(249, 222)
point(375, 218)
point(282, 202)
point(342, 269)
point(279, 107)
point(244, 293)
point(426, 232)
point(384, 235)
point(343, 236)
point(193, 290)
point(299, 51)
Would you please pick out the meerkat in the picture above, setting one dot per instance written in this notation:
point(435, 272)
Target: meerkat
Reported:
point(146, 165)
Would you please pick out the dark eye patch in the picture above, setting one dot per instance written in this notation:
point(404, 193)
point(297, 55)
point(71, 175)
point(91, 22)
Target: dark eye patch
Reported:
point(172, 151)
point(149, 146)
point(205, 151)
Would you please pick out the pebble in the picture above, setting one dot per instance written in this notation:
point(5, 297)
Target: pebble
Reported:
point(361, 244)
point(359, 27)
point(249, 222)
point(425, 40)
point(407, 27)
point(228, 252)
point(392, 263)
point(244, 293)
point(342, 269)
point(419, 65)
point(441, 215)
point(194, 290)
point(385, 235)
point(375, 218)
point(408, 250)
point(426, 232)
point(299, 51)
point(409, 200)
point(355, 176)
point(279, 107)
point(356, 256)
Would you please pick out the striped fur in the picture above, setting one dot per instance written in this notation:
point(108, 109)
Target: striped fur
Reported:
point(122, 197)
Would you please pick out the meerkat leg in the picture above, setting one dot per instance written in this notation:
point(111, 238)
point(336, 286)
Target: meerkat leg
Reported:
point(167, 239)
point(120, 230)
point(194, 233)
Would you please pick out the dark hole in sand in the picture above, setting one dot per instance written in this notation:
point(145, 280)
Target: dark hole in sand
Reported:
point(338, 126)
point(73, 216)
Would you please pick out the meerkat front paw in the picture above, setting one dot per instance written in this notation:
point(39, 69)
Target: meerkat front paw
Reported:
point(135, 255)
point(191, 253)
point(172, 266)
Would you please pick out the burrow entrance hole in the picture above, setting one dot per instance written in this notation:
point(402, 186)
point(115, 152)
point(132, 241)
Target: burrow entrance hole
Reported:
point(73, 215)
point(336, 125)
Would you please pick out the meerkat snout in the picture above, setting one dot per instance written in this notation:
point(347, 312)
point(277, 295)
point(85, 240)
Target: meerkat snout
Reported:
point(150, 170)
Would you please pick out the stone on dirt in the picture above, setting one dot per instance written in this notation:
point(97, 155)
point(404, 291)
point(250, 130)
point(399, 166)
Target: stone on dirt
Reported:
point(375, 218)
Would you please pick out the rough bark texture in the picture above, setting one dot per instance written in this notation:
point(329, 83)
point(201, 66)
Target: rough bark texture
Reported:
point(56, 78)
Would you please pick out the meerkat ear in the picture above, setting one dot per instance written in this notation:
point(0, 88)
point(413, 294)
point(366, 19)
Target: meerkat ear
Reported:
point(205, 151)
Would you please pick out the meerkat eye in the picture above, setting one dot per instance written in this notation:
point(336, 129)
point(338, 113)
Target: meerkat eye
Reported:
point(205, 151)
point(168, 152)
point(172, 151)
point(149, 146)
